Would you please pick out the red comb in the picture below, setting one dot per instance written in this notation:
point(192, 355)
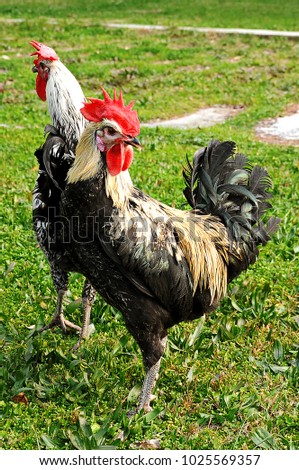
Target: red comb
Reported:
point(113, 109)
point(43, 52)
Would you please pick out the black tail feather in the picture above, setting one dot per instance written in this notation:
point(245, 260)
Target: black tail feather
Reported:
point(54, 157)
point(222, 183)
point(266, 230)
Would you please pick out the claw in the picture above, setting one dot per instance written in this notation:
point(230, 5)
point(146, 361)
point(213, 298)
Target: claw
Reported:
point(88, 297)
point(90, 330)
point(147, 408)
point(59, 320)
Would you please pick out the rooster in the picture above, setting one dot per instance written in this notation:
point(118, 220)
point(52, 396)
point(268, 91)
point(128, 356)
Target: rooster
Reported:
point(157, 264)
point(57, 85)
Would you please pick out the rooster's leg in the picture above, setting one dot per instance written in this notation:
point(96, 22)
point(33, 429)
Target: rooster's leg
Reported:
point(60, 280)
point(149, 382)
point(88, 298)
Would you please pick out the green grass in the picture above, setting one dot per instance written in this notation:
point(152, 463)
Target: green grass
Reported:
point(271, 14)
point(231, 382)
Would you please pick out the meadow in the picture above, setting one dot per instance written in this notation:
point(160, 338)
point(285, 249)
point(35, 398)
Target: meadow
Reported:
point(229, 382)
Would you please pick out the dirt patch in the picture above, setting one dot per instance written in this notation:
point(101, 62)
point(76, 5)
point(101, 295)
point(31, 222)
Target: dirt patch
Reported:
point(204, 117)
point(255, 32)
point(281, 130)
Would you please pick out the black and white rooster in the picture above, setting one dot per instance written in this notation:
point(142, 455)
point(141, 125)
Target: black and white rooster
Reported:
point(157, 264)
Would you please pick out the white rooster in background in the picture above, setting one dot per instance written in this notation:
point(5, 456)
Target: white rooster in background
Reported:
point(58, 86)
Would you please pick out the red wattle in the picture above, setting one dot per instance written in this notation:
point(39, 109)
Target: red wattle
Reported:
point(115, 158)
point(41, 87)
point(119, 158)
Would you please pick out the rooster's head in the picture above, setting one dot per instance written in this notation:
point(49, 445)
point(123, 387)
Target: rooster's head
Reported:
point(115, 127)
point(45, 58)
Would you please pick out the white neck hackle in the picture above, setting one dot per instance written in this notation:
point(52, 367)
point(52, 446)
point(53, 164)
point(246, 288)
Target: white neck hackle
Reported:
point(65, 98)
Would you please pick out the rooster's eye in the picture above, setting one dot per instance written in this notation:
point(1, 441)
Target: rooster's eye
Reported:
point(111, 131)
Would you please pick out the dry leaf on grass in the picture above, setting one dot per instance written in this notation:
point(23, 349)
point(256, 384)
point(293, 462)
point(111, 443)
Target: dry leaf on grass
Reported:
point(20, 398)
point(147, 444)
